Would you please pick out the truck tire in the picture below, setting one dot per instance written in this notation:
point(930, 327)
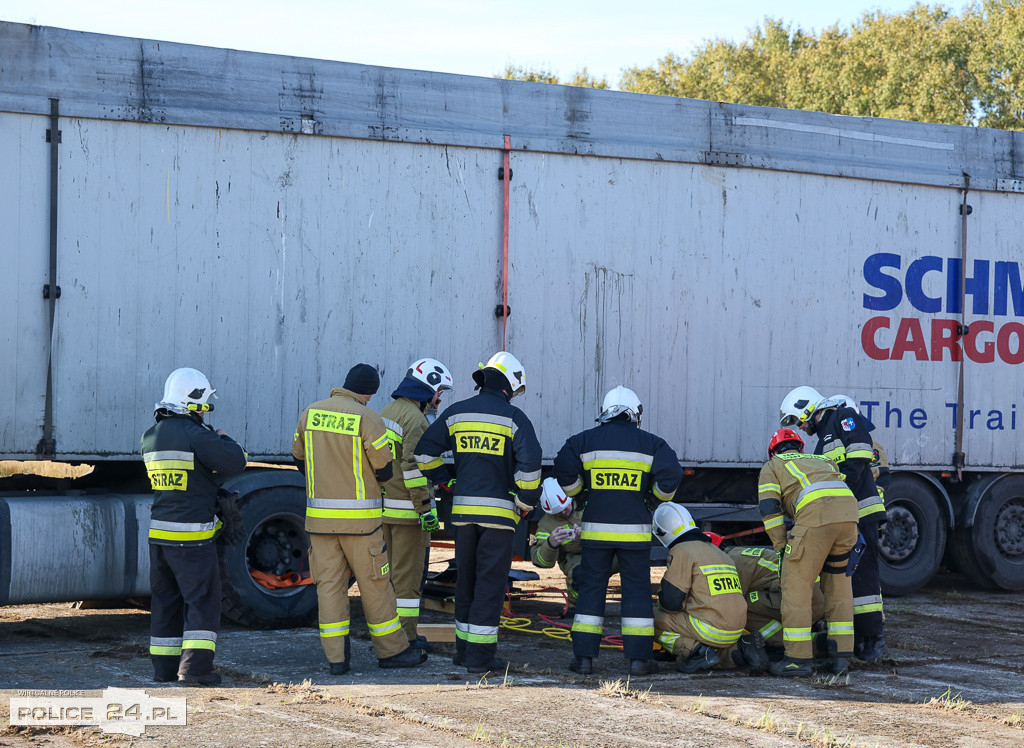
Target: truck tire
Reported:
point(275, 542)
point(991, 551)
point(913, 539)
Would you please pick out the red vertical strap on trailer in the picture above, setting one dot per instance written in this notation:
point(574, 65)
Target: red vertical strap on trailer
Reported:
point(506, 178)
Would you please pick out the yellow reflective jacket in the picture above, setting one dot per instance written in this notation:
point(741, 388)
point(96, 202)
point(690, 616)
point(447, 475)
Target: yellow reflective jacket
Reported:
point(809, 489)
point(342, 443)
point(407, 494)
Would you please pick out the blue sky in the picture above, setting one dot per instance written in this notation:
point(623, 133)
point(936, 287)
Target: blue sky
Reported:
point(471, 37)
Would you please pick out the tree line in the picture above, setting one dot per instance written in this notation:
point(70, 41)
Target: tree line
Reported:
point(928, 64)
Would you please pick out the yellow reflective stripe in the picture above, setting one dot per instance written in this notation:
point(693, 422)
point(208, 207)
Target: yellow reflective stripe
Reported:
point(769, 523)
point(171, 465)
point(343, 513)
point(173, 651)
point(638, 630)
point(185, 536)
point(812, 495)
point(526, 485)
point(382, 442)
point(490, 428)
point(797, 634)
point(357, 467)
point(836, 454)
point(799, 474)
point(605, 464)
point(769, 487)
point(485, 511)
point(627, 537)
point(721, 637)
point(860, 454)
point(401, 513)
point(428, 465)
point(869, 510)
point(415, 482)
point(383, 629)
point(339, 628)
point(575, 488)
point(840, 627)
point(767, 564)
point(661, 494)
point(718, 569)
point(587, 628)
point(309, 465)
point(198, 644)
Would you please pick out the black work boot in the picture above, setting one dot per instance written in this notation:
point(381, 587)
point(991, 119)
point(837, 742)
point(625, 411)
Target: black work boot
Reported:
point(834, 663)
point(874, 649)
point(643, 667)
point(205, 679)
point(751, 650)
point(701, 657)
point(496, 664)
point(340, 668)
point(582, 665)
point(408, 657)
point(787, 667)
point(420, 642)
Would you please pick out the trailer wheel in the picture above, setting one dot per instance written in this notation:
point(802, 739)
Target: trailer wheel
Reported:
point(275, 542)
point(991, 551)
point(913, 539)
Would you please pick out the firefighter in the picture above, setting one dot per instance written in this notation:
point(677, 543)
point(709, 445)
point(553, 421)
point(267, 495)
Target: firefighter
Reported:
point(186, 461)
point(342, 448)
point(409, 511)
point(622, 467)
point(809, 490)
point(843, 436)
point(701, 606)
point(879, 460)
point(759, 570)
point(497, 479)
point(557, 539)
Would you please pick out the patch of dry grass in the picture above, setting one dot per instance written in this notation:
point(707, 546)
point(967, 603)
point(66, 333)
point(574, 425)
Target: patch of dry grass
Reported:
point(43, 468)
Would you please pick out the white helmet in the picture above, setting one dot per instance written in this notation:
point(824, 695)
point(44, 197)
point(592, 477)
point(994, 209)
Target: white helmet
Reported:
point(432, 373)
point(509, 366)
point(798, 405)
point(553, 499)
point(671, 521)
point(844, 401)
point(187, 390)
point(621, 400)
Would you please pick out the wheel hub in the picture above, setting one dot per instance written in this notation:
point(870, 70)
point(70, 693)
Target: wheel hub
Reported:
point(899, 535)
point(275, 546)
point(1009, 528)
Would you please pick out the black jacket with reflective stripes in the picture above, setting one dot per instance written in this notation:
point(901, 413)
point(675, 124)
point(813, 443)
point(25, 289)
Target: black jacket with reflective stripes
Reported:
point(186, 463)
point(496, 458)
point(620, 465)
point(843, 437)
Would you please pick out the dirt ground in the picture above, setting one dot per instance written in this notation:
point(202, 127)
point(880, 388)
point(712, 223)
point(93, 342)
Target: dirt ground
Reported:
point(953, 678)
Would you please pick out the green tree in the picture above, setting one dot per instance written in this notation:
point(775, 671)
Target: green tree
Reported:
point(581, 78)
point(925, 64)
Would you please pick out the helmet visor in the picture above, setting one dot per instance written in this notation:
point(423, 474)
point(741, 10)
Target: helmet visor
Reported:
point(788, 421)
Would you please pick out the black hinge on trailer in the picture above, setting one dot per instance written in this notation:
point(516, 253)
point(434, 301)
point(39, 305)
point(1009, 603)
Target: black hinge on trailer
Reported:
point(959, 457)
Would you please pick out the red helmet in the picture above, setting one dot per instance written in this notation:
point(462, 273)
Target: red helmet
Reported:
point(781, 437)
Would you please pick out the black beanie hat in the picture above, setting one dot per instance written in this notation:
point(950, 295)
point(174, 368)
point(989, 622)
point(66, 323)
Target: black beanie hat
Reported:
point(362, 379)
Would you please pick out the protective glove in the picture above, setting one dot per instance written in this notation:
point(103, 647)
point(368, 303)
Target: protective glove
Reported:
point(560, 535)
point(522, 507)
point(233, 531)
point(448, 485)
point(428, 521)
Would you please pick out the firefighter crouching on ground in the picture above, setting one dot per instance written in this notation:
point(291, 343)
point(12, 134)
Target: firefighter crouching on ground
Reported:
point(497, 463)
point(701, 607)
point(557, 540)
point(342, 448)
point(186, 461)
point(809, 490)
point(621, 466)
point(843, 437)
point(759, 571)
point(409, 512)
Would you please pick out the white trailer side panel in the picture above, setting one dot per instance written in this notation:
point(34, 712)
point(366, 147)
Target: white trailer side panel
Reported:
point(272, 262)
point(24, 254)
